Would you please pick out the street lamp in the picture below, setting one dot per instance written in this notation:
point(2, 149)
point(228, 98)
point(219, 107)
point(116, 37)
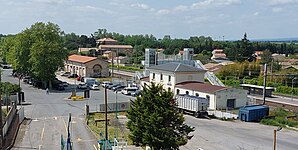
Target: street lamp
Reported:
point(292, 88)
point(274, 137)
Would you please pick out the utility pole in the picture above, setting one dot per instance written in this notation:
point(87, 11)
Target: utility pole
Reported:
point(264, 89)
point(1, 123)
point(106, 112)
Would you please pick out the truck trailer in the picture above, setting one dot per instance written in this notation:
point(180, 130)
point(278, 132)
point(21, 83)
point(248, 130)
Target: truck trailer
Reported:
point(193, 104)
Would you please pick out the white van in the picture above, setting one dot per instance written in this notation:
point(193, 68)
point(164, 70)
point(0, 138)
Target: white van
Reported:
point(129, 90)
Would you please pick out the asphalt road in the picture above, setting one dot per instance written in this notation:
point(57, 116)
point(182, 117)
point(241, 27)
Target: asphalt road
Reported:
point(49, 114)
point(227, 135)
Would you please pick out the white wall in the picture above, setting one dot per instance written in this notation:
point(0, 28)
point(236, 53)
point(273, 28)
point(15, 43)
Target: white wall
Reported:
point(232, 93)
point(165, 79)
point(218, 100)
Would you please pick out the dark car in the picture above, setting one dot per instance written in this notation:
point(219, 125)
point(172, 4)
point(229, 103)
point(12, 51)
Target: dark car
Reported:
point(59, 87)
point(82, 86)
point(73, 76)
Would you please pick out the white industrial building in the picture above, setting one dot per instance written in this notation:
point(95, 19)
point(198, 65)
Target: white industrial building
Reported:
point(185, 79)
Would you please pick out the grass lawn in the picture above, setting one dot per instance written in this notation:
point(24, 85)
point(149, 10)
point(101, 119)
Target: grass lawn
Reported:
point(116, 127)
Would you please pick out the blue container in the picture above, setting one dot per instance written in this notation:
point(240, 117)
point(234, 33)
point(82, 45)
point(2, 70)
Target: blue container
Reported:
point(253, 113)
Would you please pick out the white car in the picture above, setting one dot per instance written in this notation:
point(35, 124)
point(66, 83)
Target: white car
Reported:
point(94, 87)
point(106, 84)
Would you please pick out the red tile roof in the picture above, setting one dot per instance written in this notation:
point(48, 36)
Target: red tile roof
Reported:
point(107, 40)
point(80, 59)
point(201, 87)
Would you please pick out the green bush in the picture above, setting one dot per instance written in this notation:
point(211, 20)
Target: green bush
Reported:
point(280, 119)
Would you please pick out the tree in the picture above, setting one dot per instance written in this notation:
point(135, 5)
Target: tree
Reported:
point(266, 57)
point(47, 53)
point(155, 121)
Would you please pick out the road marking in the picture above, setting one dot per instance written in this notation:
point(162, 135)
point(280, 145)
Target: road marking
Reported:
point(39, 147)
point(64, 124)
point(94, 147)
point(55, 118)
point(42, 132)
point(79, 139)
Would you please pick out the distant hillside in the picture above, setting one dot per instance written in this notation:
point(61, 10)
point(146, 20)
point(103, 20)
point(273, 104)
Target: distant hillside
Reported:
point(294, 39)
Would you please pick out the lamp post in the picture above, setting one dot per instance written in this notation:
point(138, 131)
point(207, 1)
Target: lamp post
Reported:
point(292, 88)
point(274, 137)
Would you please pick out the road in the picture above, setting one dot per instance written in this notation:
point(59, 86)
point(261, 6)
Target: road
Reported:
point(49, 114)
point(227, 135)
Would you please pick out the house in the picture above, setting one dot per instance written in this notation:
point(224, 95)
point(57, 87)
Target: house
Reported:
point(86, 66)
point(86, 49)
point(184, 79)
point(106, 41)
point(218, 55)
point(109, 54)
point(120, 60)
point(115, 48)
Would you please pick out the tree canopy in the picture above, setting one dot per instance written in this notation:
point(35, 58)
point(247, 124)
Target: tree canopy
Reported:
point(36, 51)
point(155, 121)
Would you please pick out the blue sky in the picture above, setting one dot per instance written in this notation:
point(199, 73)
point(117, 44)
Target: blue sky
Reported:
point(178, 18)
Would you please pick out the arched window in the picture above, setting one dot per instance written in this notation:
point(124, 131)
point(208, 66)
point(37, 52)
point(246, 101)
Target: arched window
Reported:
point(197, 94)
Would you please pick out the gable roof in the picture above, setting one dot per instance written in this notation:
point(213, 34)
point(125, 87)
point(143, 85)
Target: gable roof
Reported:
point(201, 87)
point(80, 59)
point(176, 67)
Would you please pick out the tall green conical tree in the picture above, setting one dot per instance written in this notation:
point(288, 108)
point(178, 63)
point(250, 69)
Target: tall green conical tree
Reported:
point(155, 121)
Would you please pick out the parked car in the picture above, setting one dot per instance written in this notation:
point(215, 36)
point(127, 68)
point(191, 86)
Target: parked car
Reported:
point(135, 93)
point(106, 84)
point(82, 86)
point(65, 84)
point(25, 79)
point(72, 76)
point(129, 90)
point(118, 88)
point(94, 87)
point(59, 87)
point(66, 74)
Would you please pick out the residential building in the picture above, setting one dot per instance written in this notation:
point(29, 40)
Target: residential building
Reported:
point(218, 55)
point(115, 48)
point(106, 41)
point(86, 66)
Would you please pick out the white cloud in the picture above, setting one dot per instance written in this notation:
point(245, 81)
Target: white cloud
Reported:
point(142, 6)
point(277, 9)
point(256, 13)
point(282, 2)
point(88, 8)
point(163, 12)
point(208, 3)
point(181, 8)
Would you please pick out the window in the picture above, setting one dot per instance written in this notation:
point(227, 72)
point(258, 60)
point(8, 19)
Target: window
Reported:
point(208, 98)
point(187, 92)
point(197, 94)
point(161, 77)
point(177, 91)
point(153, 76)
point(169, 78)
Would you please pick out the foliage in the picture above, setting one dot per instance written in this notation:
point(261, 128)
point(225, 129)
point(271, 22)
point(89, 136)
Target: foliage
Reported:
point(203, 58)
point(9, 88)
point(287, 90)
point(37, 51)
point(127, 68)
point(266, 57)
point(155, 121)
point(280, 119)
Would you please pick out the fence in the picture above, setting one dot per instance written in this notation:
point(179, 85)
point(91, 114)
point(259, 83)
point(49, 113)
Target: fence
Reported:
point(10, 116)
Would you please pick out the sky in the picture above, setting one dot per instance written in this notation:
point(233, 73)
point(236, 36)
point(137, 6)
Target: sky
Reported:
point(220, 19)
